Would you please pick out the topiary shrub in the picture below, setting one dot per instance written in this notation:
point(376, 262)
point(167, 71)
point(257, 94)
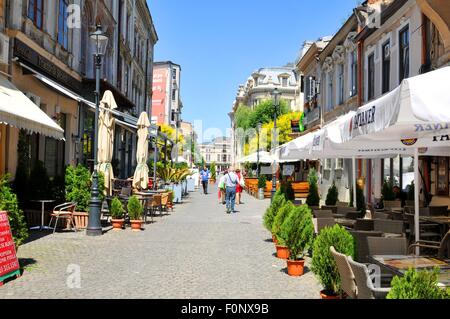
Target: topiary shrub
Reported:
point(135, 208)
point(332, 195)
point(387, 192)
point(313, 196)
point(278, 201)
point(213, 171)
point(9, 203)
point(360, 199)
point(289, 191)
point(78, 186)
point(116, 209)
point(323, 264)
point(262, 182)
point(417, 285)
point(297, 232)
point(282, 214)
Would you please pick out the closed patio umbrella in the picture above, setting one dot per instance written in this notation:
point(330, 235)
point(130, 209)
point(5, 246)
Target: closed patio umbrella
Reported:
point(106, 139)
point(140, 179)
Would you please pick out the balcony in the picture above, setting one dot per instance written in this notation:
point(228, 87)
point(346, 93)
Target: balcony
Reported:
point(312, 116)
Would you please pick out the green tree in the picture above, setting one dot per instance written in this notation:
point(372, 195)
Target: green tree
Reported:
point(282, 214)
point(279, 200)
point(9, 203)
point(332, 195)
point(242, 116)
point(264, 112)
point(313, 196)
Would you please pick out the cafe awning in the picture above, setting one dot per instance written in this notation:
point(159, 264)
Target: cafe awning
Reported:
point(17, 110)
point(264, 158)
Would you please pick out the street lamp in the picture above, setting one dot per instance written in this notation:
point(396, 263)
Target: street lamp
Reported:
point(177, 125)
point(258, 170)
point(94, 227)
point(154, 134)
point(276, 105)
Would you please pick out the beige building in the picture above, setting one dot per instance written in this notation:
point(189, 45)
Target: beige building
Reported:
point(217, 151)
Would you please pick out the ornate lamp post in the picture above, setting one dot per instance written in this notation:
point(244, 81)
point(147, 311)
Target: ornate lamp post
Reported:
point(94, 227)
point(258, 170)
point(276, 105)
point(177, 125)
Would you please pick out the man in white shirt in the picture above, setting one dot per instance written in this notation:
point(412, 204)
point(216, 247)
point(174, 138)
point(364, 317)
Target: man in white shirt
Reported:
point(231, 181)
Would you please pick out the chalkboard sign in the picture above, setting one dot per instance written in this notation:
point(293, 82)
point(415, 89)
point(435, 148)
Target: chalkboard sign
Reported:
point(9, 265)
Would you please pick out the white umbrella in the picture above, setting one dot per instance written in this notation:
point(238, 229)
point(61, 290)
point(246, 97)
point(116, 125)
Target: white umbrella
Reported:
point(140, 179)
point(106, 124)
point(264, 158)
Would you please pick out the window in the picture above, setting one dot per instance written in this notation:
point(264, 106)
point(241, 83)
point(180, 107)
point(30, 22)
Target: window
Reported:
point(218, 157)
point(353, 73)
point(330, 90)
point(404, 53)
point(386, 67)
point(36, 12)
point(284, 82)
point(174, 95)
point(63, 30)
point(174, 74)
point(371, 77)
point(340, 84)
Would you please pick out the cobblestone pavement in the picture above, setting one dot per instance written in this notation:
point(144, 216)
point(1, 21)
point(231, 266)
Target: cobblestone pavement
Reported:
point(197, 251)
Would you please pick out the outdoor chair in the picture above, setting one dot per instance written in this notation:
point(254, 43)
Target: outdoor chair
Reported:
point(392, 204)
point(364, 285)
point(428, 231)
point(379, 215)
point(146, 204)
point(362, 248)
point(443, 247)
point(125, 193)
point(321, 223)
point(64, 211)
point(164, 201)
point(387, 246)
point(389, 226)
point(353, 215)
point(323, 213)
point(156, 203)
point(438, 210)
point(348, 283)
point(332, 208)
point(342, 210)
point(364, 224)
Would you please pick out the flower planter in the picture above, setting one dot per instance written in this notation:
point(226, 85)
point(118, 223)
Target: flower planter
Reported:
point(212, 181)
point(282, 252)
point(329, 295)
point(81, 220)
point(136, 225)
point(261, 193)
point(190, 185)
point(295, 267)
point(117, 224)
point(177, 193)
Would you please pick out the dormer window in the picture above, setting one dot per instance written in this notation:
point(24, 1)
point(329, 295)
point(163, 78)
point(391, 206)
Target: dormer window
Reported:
point(284, 82)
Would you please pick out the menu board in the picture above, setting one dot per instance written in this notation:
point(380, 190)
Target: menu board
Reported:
point(9, 265)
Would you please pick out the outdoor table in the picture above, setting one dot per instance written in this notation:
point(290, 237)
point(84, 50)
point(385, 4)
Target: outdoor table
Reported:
point(43, 202)
point(396, 213)
point(345, 222)
point(341, 216)
point(399, 264)
point(146, 196)
point(442, 221)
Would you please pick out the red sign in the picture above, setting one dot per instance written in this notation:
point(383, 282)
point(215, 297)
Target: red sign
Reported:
point(9, 265)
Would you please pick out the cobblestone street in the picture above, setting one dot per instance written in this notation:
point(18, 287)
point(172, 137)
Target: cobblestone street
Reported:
point(197, 251)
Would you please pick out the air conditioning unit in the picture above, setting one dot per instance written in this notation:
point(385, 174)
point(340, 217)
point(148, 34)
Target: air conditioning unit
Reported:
point(339, 163)
point(327, 164)
point(4, 49)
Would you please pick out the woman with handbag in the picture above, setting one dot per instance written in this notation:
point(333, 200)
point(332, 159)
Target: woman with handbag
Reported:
point(239, 187)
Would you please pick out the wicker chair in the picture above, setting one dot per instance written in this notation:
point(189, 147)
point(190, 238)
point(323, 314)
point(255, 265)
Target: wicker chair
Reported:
point(438, 210)
point(380, 215)
point(362, 248)
point(392, 204)
point(387, 246)
point(332, 208)
point(443, 247)
point(323, 213)
point(364, 224)
point(389, 226)
point(353, 215)
point(428, 231)
point(348, 283)
point(364, 284)
point(321, 223)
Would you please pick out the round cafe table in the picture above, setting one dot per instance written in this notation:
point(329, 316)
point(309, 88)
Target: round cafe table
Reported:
point(43, 202)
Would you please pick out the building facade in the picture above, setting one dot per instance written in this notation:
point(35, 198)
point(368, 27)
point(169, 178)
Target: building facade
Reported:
point(166, 99)
point(217, 151)
point(51, 61)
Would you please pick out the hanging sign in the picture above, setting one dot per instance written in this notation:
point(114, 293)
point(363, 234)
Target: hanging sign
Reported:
point(9, 265)
point(288, 170)
point(266, 170)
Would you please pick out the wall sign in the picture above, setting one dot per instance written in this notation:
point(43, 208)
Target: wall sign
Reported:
point(9, 265)
point(288, 170)
point(442, 176)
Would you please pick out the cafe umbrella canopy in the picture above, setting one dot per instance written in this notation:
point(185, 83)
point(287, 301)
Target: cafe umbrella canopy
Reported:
point(140, 179)
point(106, 139)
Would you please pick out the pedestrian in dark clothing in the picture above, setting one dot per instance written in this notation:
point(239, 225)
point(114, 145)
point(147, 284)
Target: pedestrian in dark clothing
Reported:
point(205, 174)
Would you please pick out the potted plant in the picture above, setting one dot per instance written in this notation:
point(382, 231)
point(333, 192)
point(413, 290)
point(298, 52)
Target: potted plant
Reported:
point(262, 183)
point(117, 212)
point(387, 192)
point(78, 189)
point(283, 213)
point(278, 201)
point(332, 195)
point(313, 199)
point(213, 172)
point(323, 264)
point(418, 285)
point(288, 191)
point(297, 232)
point(135, 210)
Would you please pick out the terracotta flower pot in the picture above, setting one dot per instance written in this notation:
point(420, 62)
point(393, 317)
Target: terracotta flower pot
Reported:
point(282, 252)
point(329, 295)
point(118, 224)
point(136, 225)
point(295, 267)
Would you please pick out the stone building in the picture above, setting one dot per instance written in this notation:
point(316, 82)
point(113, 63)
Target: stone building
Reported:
point(217, 151)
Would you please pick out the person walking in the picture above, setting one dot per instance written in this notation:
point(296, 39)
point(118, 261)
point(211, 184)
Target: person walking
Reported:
point(222, 189)
point(239, 187)
point(231, 181)
point(204, 175)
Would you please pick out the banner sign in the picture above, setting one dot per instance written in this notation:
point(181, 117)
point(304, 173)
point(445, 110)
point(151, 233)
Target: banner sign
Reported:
point(288, 170)
point(9, 265)
point(266, 170)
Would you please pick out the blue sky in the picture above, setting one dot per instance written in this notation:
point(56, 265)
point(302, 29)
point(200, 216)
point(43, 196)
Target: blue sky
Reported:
point(219, 43)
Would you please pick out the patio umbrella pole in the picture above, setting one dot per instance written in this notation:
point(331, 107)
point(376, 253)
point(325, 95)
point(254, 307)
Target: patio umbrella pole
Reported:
point(416, 198)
